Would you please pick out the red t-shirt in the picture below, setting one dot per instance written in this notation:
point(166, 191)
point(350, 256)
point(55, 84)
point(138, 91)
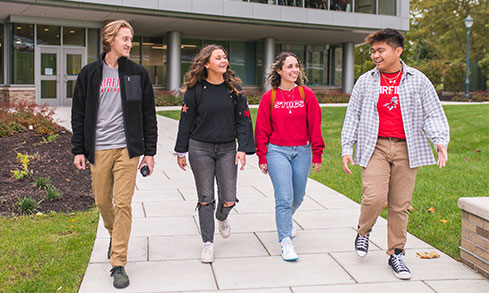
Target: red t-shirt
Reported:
point(389, 108)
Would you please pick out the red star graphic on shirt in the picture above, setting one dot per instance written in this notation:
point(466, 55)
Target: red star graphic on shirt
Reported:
point(184, 108)
point(247, 114)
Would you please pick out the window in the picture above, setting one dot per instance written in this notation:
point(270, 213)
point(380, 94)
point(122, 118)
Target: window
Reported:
point(1, 53)
point(293, 3)
point(22, 54)
point(190, 48)
point(264, 1)
point(366, 6)
point(73, 36)
point(317, 65)
point(338, 66)
point(93, 48)
point(135, 54)
point(48, 35)
point(317, 4)
point(243, 61)
point(387, 7)
point(154, 53)
point(340, 5)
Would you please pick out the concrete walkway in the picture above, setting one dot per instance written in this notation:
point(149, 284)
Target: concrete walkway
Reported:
point(165, 244)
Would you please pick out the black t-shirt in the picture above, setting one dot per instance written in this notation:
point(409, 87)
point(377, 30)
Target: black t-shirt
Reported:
point(218, 116)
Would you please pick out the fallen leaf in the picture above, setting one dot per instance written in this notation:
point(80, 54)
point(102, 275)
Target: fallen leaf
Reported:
point(467, 159)
point(68, 180)
point(410, 208)
point(431, 210)
point(427, 255)
point(73, 220)
point(477, 150)
point(443, 221)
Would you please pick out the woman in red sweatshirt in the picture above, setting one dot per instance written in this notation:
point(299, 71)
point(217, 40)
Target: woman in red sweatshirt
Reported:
point(288, 141)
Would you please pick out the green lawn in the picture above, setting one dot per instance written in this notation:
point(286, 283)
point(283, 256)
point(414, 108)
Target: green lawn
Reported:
point(465, 174)
point(47, 253)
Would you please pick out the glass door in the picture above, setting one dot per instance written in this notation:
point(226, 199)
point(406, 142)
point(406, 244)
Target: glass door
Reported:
point(73, 61)
point(49, 76)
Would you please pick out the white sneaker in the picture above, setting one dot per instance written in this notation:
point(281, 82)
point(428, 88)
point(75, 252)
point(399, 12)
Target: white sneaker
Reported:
point(207, 255)
point(288, 252)
point(293, 233)
point(224, 229)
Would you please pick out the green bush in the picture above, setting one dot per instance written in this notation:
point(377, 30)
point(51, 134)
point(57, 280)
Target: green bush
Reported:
point(28, 205)
point(52, 193)
point(480, 96)
point(434, 70)
point(454, 77)
point(42, 182)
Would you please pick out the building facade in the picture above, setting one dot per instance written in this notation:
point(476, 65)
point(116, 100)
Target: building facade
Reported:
point(45, 43)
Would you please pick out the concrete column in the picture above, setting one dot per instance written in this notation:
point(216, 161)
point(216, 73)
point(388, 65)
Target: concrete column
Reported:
point(348, 76)
point(173, 61)
point(268, 57)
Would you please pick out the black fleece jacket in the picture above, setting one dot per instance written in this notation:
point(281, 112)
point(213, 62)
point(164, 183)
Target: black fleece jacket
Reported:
point(138, 109)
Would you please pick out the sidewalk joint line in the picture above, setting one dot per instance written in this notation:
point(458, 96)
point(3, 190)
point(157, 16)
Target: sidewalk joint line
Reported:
point(424, 282)
point(314, 200)
point(147, 248)
point(164, 173)
point(144, 209)
point(253, 186)
point(341, 266)
point(261, 242)
point(214, 275)
point(181, 194)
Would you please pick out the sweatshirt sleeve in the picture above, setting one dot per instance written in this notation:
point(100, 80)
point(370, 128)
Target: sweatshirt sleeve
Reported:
point(314, 126)
point(244, 125)
point(150, 128)
point(78, 113)
point(188, 115)
point(263, 127)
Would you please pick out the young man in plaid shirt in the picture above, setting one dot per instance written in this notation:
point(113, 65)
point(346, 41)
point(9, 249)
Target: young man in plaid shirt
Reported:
point(392, 112)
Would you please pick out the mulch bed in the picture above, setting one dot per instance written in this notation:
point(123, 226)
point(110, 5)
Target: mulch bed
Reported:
point(53, 160)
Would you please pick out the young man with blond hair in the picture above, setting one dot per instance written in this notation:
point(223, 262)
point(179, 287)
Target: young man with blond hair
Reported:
point(392, 112)
point(114, 123)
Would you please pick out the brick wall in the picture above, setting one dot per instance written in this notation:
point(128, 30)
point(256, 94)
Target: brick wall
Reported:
point(474, 250)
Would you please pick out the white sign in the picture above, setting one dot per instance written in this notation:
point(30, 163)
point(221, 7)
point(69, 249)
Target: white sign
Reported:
point(48, 71)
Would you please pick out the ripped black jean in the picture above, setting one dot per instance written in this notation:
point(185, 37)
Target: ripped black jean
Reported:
point(209, 161)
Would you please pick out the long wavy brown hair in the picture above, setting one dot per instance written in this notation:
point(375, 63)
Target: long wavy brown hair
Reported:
point(198, 72)
point(274, 79)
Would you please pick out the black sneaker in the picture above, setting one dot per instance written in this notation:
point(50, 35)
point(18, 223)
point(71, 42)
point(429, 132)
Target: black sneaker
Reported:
point(400, 270)
point(121, 280)
point(110, 247)
point(361, 245)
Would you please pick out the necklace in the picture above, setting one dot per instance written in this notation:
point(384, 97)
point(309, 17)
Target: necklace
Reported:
point(283, 98)
point(391, 79)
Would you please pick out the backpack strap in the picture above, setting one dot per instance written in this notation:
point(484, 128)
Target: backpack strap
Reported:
point(272, 102)
point(301, 91)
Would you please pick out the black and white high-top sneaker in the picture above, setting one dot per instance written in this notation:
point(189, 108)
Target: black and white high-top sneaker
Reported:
point(361, 245)
point(399, 269)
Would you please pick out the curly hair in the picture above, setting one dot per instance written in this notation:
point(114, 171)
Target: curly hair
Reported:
point(392, 37)
point(274, 78)
point(198, 72)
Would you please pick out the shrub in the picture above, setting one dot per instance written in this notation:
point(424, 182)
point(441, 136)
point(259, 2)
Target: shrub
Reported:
point(454, 77)
point(24, 160)
point(480, 96)
point(434, 70)
point(52, 193)
point(42, 182)
point(16, 117)
point(167, 99)
point(28, 205)
point(51, 138)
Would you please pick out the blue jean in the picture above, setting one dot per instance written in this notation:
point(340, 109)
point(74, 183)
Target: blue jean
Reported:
point(289, 169)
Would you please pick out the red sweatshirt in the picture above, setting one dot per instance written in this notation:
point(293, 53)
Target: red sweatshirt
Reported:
point(293, 122)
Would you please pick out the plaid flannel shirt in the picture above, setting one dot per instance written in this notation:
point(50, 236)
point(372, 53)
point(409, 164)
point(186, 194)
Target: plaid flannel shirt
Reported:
point(422, 117)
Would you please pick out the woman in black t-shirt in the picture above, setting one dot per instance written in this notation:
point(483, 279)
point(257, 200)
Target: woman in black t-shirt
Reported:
point(214, 114)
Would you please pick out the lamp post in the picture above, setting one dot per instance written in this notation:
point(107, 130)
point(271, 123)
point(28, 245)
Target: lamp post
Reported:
point(468, 23)
point(361, 60)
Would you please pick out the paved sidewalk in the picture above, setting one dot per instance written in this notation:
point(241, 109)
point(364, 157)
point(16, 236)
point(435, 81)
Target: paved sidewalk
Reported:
point(165, 244)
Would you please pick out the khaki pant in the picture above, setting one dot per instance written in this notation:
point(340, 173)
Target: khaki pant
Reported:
point(113, 182)
point(388, 178)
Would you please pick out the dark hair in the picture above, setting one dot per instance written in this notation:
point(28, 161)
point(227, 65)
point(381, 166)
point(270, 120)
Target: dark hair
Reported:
point(198, 72)
point(274, 78)
point(392, 37)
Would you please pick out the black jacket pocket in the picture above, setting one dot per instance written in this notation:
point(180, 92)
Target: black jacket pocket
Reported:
point(132, 84)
